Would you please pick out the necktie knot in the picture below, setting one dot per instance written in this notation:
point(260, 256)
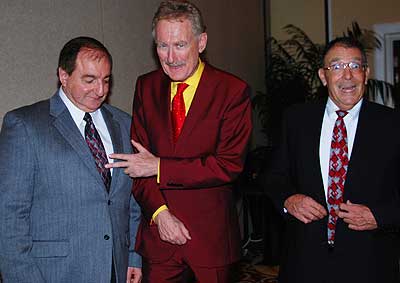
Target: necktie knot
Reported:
point(341, 113)
point(181, 88)
point(88, 118)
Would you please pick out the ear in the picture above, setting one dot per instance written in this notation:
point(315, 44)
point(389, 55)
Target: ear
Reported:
point(321, 74)
point(202, 42)
point(63, 76)
point(366, 75)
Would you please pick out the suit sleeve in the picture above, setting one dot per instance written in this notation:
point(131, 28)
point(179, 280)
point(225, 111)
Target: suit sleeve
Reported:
point(226, 162)
point(135, 259)
point(16, 188)
point(145, 190)
point(278, 181)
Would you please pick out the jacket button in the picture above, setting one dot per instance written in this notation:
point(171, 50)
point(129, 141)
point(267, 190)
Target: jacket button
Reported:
point(109, 202)
point(106, 237)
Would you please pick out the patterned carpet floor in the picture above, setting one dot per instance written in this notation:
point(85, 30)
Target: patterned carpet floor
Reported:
point(250, 273)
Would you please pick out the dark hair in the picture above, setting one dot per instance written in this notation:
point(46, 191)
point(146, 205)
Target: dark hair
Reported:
point(68, 54)
point(347, 42)
point(179, 9)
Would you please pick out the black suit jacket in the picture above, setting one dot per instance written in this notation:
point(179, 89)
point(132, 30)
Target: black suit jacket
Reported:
point(373, 179)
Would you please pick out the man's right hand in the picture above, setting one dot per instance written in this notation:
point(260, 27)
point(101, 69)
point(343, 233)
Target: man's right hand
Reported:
point(304, 208)
point(171, 229)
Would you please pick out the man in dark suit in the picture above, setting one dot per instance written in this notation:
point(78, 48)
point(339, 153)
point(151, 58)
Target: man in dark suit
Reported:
point(189, 218)
point(63, 216)
point(337, 180)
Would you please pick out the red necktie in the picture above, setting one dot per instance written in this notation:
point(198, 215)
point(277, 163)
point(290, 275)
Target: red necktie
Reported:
point(178, 111)
point(338, 163)
point(95, 145)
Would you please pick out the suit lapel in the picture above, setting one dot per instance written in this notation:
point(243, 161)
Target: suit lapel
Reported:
point(164, 92)
point(359, 150)
point(314, 125)
point(67, 128)
point(200, 102)
point(116, 138)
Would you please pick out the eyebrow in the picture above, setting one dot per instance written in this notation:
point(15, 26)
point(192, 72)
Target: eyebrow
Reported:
point(340, 59)
point(94, 77)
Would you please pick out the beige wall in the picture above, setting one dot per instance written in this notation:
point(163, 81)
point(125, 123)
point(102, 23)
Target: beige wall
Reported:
point(309, 15)
point(366, 13)
point(33, 32)
point(305, 14)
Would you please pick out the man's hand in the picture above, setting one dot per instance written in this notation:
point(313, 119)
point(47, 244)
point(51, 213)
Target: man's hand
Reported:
point(141, 164)
point(171, 229)
point(134, 275)
point(304, 208)
point(358, 216)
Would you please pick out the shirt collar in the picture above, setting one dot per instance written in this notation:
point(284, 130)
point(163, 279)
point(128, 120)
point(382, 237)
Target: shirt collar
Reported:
point(193, 79)
point(331, 109)
point(76, 113)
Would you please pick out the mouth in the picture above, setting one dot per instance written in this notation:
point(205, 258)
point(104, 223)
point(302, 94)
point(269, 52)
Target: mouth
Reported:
point(175, 65)
point(347, 88)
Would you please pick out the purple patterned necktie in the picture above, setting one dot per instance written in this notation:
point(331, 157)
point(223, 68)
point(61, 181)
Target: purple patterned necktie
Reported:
point(338, 163)
point(95, 144)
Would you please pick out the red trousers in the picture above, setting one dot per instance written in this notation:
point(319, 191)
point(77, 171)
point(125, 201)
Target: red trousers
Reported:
point(178, 270)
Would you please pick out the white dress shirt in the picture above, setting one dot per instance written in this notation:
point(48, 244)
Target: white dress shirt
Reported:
point(98, 121)
point(328, 123)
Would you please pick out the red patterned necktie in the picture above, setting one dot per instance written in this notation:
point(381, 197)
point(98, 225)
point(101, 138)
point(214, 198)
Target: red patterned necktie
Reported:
point(338, 163)
point(178, 111)
point(95, 144)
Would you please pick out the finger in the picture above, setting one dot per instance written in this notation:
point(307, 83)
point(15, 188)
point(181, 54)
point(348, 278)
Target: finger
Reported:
point(319, 211)
point(138, 146)
point(186, 233)
point(315, 211)
point(317, 208)
point(342, 214)
point(121, 156)
point(117, 164)
point(303, 218)
point(346, 207)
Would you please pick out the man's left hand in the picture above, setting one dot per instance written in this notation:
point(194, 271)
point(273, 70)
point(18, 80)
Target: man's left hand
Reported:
point(134, 275)
point(140, 164)
point(358, 216)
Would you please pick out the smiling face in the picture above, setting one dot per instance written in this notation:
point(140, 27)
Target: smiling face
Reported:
point(178, 48)
point(346, 87)
point(88, 85)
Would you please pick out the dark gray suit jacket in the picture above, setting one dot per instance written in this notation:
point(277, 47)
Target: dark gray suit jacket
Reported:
point(57, 222)
point(373, 179)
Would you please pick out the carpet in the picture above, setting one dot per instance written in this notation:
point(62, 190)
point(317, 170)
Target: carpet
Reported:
point(250, 273)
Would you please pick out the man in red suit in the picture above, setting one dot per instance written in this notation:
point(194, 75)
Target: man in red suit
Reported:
point(191, 126)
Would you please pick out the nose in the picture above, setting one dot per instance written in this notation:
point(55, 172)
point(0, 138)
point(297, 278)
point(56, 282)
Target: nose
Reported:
point(100, 89)
point(171, 55)
point(347, 74)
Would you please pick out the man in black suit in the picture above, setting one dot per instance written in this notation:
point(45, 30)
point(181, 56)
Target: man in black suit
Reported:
point(360, 200)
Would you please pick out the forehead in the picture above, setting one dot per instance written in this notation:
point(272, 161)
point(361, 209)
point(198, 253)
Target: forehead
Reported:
point(92, 55)
point(174, 28)
point(342, 53)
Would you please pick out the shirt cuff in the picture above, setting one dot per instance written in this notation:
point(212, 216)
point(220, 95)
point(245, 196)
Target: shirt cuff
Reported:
point(158, 171)
point(162, 208)
point(135, 260)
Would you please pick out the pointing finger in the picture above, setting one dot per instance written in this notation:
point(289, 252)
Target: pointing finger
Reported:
point(138, 146)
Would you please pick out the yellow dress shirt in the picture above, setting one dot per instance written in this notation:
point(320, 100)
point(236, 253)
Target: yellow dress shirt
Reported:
point(188, 95)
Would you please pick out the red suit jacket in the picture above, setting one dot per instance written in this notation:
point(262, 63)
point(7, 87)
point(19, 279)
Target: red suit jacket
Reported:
point(197, 172)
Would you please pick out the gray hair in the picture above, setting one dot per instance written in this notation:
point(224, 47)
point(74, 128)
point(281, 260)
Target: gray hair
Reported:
point(179, 10)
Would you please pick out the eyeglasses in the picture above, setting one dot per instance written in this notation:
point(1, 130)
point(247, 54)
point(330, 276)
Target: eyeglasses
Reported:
point(338, 68)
